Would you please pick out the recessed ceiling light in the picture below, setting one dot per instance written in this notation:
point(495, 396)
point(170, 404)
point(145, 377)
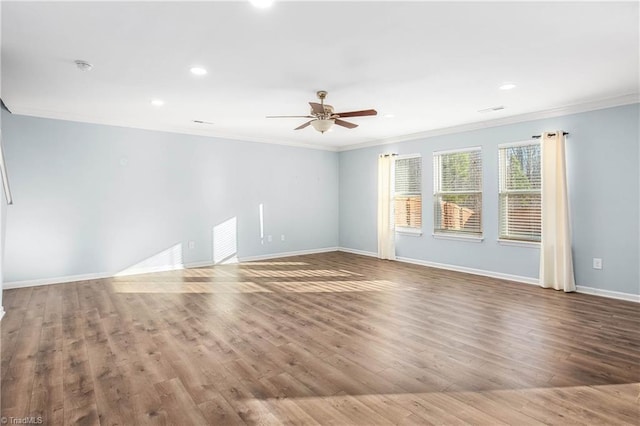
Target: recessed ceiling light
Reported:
point(83, 65)
point(507, 86)
point(389, 116)
point(261, 4)
point(157, 102)
point(198, 71)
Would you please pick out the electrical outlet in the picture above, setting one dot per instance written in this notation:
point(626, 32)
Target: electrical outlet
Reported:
point(597, 263)
point(282, 237)
point(269, 238)
point(192, 245)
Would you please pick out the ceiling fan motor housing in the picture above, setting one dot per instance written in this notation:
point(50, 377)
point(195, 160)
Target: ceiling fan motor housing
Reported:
point(328, 111)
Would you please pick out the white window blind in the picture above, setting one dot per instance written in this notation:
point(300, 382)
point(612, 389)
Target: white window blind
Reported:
point(520, 200)
point(458, 192)
point(408, 193)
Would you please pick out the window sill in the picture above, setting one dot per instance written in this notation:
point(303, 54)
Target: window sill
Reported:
point(409, 231)
point(519, 243)
point(468, 238)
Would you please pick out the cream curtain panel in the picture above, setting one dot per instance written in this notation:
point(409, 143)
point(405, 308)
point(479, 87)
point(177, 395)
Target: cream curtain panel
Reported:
point(386, 227)
point(556, 262)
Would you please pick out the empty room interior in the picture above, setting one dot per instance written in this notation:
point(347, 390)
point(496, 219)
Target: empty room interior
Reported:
point(320, 212)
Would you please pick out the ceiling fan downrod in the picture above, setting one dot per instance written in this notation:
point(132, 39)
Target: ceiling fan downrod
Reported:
point(321, 95)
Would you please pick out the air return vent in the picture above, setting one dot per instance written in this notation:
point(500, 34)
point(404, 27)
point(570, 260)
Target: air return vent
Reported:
point(492, 109)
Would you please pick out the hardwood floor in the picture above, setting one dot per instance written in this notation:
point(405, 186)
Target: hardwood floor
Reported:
point(332, 338)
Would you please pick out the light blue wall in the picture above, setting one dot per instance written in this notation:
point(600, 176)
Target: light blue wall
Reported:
point(78, 210)
point(98, 199)
point(602, 160)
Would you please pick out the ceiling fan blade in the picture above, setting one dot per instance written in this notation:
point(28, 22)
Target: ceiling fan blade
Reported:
point(290, 116)
point(362, 113)
point(302, 126)
point(345, 124)
point(316, 108)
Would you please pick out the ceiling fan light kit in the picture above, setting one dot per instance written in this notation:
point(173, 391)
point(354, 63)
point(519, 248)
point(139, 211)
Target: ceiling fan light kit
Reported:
point(323, 116)
point(322, 125)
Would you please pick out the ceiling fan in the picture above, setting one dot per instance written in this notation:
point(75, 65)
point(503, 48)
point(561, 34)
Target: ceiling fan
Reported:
point(323, 116)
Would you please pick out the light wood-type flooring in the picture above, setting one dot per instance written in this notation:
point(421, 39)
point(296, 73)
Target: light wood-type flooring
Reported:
point(331, 338)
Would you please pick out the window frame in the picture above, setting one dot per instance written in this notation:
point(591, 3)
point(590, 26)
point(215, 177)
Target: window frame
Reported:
point(417, 231)
point(437, 193)
point(502, 190)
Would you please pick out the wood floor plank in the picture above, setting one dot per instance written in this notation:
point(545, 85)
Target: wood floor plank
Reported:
point(78, 382)
point(178, 404)
point(332, 338)
point(47, 398)
point(217, 411)
point(20, 374)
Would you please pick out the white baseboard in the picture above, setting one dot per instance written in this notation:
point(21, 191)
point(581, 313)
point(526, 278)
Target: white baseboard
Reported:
point(608, 293)
point(484, 273)
point(287, 254)
point(200, 264)
point(149, 270)
point(360, 252)
point(55, 280)
point(517, 278)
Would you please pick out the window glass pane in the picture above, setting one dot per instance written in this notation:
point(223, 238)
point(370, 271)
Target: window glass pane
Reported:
point(408, 175)
point(408, 211)
point(460, 213)
point(520, 200)
point(458, 192)
point(408, 193)
point(461, 171)
point(522, 167)
point(520, 216)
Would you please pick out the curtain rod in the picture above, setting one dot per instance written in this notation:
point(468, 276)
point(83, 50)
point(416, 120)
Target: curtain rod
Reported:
point(550, 134)
point(388, 155)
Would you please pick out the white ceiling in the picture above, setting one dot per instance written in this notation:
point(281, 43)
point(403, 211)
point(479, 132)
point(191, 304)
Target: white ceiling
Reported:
point(433, 65)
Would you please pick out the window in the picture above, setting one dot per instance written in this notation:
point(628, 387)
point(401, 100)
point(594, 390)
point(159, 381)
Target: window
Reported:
point(407, 197)
point(520, 201)
point(457, 191)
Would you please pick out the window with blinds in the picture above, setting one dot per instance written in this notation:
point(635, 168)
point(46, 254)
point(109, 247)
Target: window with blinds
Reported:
point(457, 192)
point(407, 198)
point(520, 200)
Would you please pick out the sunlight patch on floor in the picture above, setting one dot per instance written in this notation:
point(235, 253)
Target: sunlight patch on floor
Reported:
point(140, 286)
point(180, 287)
point(299, 273)
point(474, 407)
point(335, 286)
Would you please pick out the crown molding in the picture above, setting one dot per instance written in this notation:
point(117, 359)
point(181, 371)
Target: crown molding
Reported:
point(38, 113)
point(628, 99)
